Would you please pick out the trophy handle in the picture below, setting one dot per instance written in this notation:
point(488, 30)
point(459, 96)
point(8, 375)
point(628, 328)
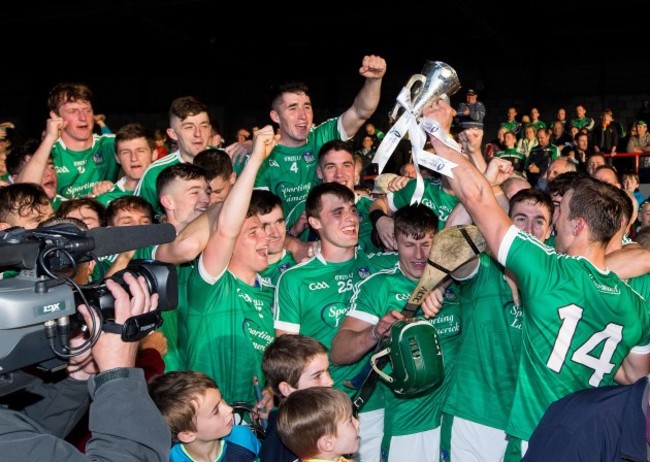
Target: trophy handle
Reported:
point(409, 85)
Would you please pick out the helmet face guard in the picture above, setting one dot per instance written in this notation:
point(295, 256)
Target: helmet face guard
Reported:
point(415, 356)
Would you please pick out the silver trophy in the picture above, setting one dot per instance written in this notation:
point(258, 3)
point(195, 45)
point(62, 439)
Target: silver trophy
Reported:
point(437, 80)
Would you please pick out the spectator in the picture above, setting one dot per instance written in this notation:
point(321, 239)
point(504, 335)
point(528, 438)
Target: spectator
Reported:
point(471, 113)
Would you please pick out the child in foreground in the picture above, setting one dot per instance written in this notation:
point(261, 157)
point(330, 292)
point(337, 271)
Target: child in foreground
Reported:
point(200, 420)
point(317, 424)
point(290, 363)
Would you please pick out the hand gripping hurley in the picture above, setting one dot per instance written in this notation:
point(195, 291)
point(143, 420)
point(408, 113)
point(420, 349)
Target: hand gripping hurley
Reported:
point(412, 347)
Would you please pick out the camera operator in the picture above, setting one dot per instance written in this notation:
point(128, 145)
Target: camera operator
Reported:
point(124, 421)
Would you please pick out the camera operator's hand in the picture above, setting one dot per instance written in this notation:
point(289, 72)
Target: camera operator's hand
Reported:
point(110, 351)
point(81, 366)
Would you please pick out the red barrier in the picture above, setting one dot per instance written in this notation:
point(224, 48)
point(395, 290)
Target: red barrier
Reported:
point(636, 156)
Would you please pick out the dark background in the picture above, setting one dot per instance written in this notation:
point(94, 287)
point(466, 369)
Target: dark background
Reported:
point(139, 55)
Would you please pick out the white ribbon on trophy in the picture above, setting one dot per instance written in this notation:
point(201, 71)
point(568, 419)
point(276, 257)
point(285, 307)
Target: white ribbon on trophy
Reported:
point(438, 80)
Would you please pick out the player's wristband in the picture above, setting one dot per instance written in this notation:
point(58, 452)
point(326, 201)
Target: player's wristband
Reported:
point(373, 333)
point(375, 215)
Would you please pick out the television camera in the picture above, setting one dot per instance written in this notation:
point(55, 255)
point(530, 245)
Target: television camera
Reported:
point(38, 307)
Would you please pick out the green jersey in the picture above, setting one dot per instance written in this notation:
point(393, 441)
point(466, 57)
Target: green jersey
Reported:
point(229, 324)
point(363, 204)
point(57, 201)
point(641, 285)
point(115, 192)
point(579, 325)
point(434, 197)
point(289, 172)
point(486, 369)
point(271, 274)
point(312, 298)
point(583, 122)
point(146, 187)
point(518, 159)
point(79, 171)
point(390, 290)
point(512, 126)
point(175, 322)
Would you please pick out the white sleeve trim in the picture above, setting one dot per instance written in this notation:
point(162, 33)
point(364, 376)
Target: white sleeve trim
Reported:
point(471, 275)
point(207, 277)
point(641, 349)
point(391, 204)
point(339, 128)
point(287, 327)
point(363, 316)
point(506, 243)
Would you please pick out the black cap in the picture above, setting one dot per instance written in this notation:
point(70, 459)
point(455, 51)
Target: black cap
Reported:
point(471, 92)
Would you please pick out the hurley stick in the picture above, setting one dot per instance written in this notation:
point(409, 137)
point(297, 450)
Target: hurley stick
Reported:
point(451, 249)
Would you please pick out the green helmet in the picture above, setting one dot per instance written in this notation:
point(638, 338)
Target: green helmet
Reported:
point(415, 356)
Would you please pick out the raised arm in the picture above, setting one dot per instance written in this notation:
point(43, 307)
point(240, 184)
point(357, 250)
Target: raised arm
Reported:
point(470, 185)
point(34, 169)
point(365, 103)
point(380, 215)
point(223, 234)
point(191, 241)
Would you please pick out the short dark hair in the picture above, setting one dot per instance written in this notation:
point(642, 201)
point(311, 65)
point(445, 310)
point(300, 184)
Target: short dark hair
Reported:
point(187, 106)
point(535, 196)
point(68, 92)
point(599, 205)
point(561, 183)
point(280, 89)
point(128, 203)
point(314, 204)
point(263, 202)
point(182, 171)
point(21, 199)
point(76, 204)
point(133, 131)
point(610, 168)
point(216, 163)
point(415, 220)
point(334, 145)
point(286, 357)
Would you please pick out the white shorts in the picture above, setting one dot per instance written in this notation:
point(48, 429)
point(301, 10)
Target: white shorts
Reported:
point(422, 446)
point(371, 426)
point(473, 442)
